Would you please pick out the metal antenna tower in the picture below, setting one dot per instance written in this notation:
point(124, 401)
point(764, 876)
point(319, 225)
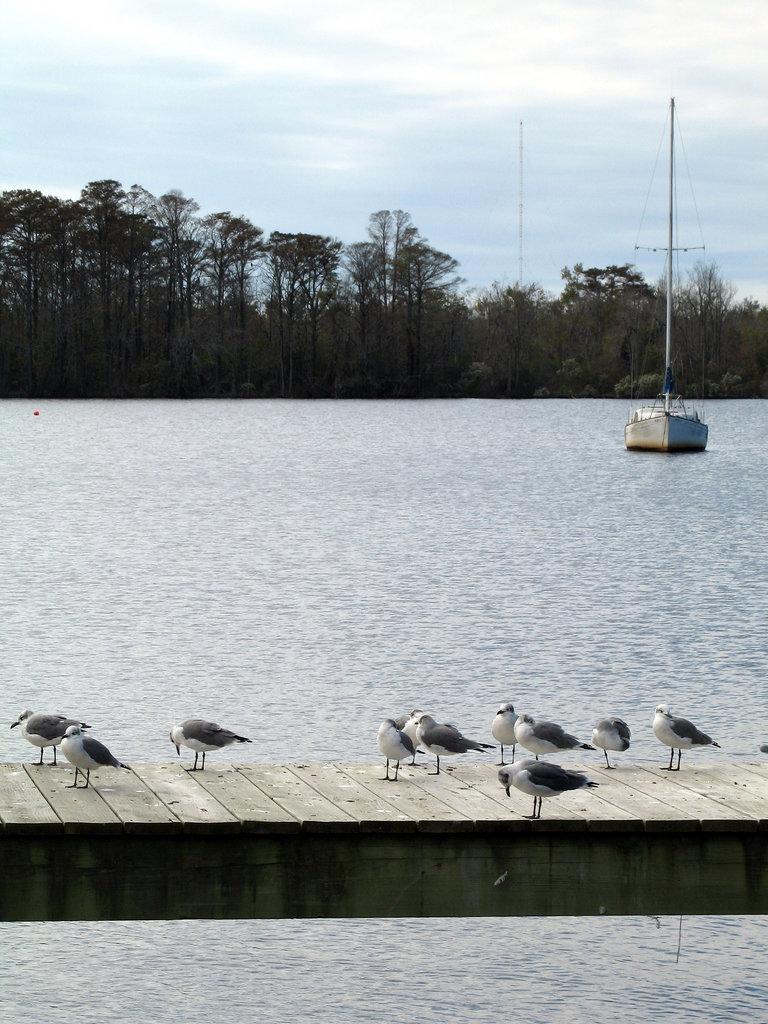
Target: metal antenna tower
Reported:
point(520, 224)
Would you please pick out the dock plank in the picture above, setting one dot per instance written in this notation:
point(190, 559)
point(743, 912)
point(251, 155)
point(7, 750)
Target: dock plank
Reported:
point(180, 792)
point(23, 808)
point(139, 808)
point(80, 810)
point(745, 796)
point(626, 789)
point(256, 811)
point(430, 811)
point(314, 812)
point(679, 792)
point(373, 812)
point(328, 797)
point(466, 789)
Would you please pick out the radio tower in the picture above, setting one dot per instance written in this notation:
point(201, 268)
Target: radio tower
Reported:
point(520, 226)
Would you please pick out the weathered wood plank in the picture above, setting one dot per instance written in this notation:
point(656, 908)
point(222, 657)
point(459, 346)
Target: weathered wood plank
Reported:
point(373, 812)
point(430, 812)
point(256, 811)
point(464, 797)
point(313, 811)
point(180, 792)
point(81, 809)
point(23, 808)
point(743, 795)
point(474, 791)
point(139, 808)
point(677, 794)
point(626, 789)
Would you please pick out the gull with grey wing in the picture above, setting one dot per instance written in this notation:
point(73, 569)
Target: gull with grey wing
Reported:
point(503, 729)
point(394, 744)
point(445, 740)
point(43, 730)
point(678, 734)
point(545, 737)
point(85, 753)
point(202, 736)
point(611, 734)
point(541, 779)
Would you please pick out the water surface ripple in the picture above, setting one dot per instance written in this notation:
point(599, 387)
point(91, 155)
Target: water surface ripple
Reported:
point(298, 571)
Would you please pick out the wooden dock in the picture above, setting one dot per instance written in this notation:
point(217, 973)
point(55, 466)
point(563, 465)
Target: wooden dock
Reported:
point(330, 840)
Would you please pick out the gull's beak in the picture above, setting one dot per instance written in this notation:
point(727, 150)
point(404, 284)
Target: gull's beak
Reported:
point(507, 789)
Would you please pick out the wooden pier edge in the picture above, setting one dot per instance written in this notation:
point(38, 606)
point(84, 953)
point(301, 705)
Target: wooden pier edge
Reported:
point(303, 841)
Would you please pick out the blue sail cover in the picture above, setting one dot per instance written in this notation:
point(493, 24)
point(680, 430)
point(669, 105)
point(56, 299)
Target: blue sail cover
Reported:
point(669, 383)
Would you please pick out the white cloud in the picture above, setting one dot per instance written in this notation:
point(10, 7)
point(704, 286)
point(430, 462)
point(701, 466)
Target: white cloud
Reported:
point(330, 110)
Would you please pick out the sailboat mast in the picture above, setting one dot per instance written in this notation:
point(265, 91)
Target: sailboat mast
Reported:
point(668, 374)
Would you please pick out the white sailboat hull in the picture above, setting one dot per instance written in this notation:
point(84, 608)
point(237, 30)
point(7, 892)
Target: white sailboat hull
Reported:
point(654, 430)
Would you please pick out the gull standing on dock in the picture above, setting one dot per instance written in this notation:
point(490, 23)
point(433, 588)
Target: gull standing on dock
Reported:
point(545, 737)
point(409, 724)
point(85, 752)
point(445, 740)
point(200, 735)
point(45, 730)
point(541, 779)
point(611, 734)
point(503, 729)
point(394, 744)
point(679, 734)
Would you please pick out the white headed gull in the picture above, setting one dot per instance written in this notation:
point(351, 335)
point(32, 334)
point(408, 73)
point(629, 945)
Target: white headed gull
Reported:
point(45, 730)
point(545, 737)
point(409, 724)
point(445, 740)
point(85, 752)
point(201, 736)
point(503, 729)
point(541, 779)
point(611, 734)
point(678, 733)
point(394, 744)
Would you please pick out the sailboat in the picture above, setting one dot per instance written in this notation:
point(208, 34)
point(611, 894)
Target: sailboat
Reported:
point(666, 425)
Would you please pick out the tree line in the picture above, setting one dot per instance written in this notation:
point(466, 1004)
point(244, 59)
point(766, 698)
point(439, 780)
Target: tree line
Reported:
point(123, 294)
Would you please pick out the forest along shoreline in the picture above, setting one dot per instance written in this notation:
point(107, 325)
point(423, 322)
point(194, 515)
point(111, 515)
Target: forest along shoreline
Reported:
point(123, 294)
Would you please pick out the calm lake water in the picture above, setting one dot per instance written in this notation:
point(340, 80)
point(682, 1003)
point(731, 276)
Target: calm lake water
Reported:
point(297, 571)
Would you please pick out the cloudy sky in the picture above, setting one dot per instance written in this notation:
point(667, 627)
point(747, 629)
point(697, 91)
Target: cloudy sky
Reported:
point(310, 115)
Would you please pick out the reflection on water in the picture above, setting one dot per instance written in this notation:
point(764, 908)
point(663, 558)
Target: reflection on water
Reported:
point(485, 970)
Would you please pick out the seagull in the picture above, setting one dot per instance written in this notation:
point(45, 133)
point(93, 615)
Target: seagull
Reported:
point(678, 733)
point(85, 752)
point(394, 744)
point(611, 734)
point(545, 737)
point(445, 740)
point(540, 779)
point(200, 736)
point(45, 730)
point(409, 724)
point(503, 729)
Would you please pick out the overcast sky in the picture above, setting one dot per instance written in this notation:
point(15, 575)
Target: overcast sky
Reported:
point(310, 115)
